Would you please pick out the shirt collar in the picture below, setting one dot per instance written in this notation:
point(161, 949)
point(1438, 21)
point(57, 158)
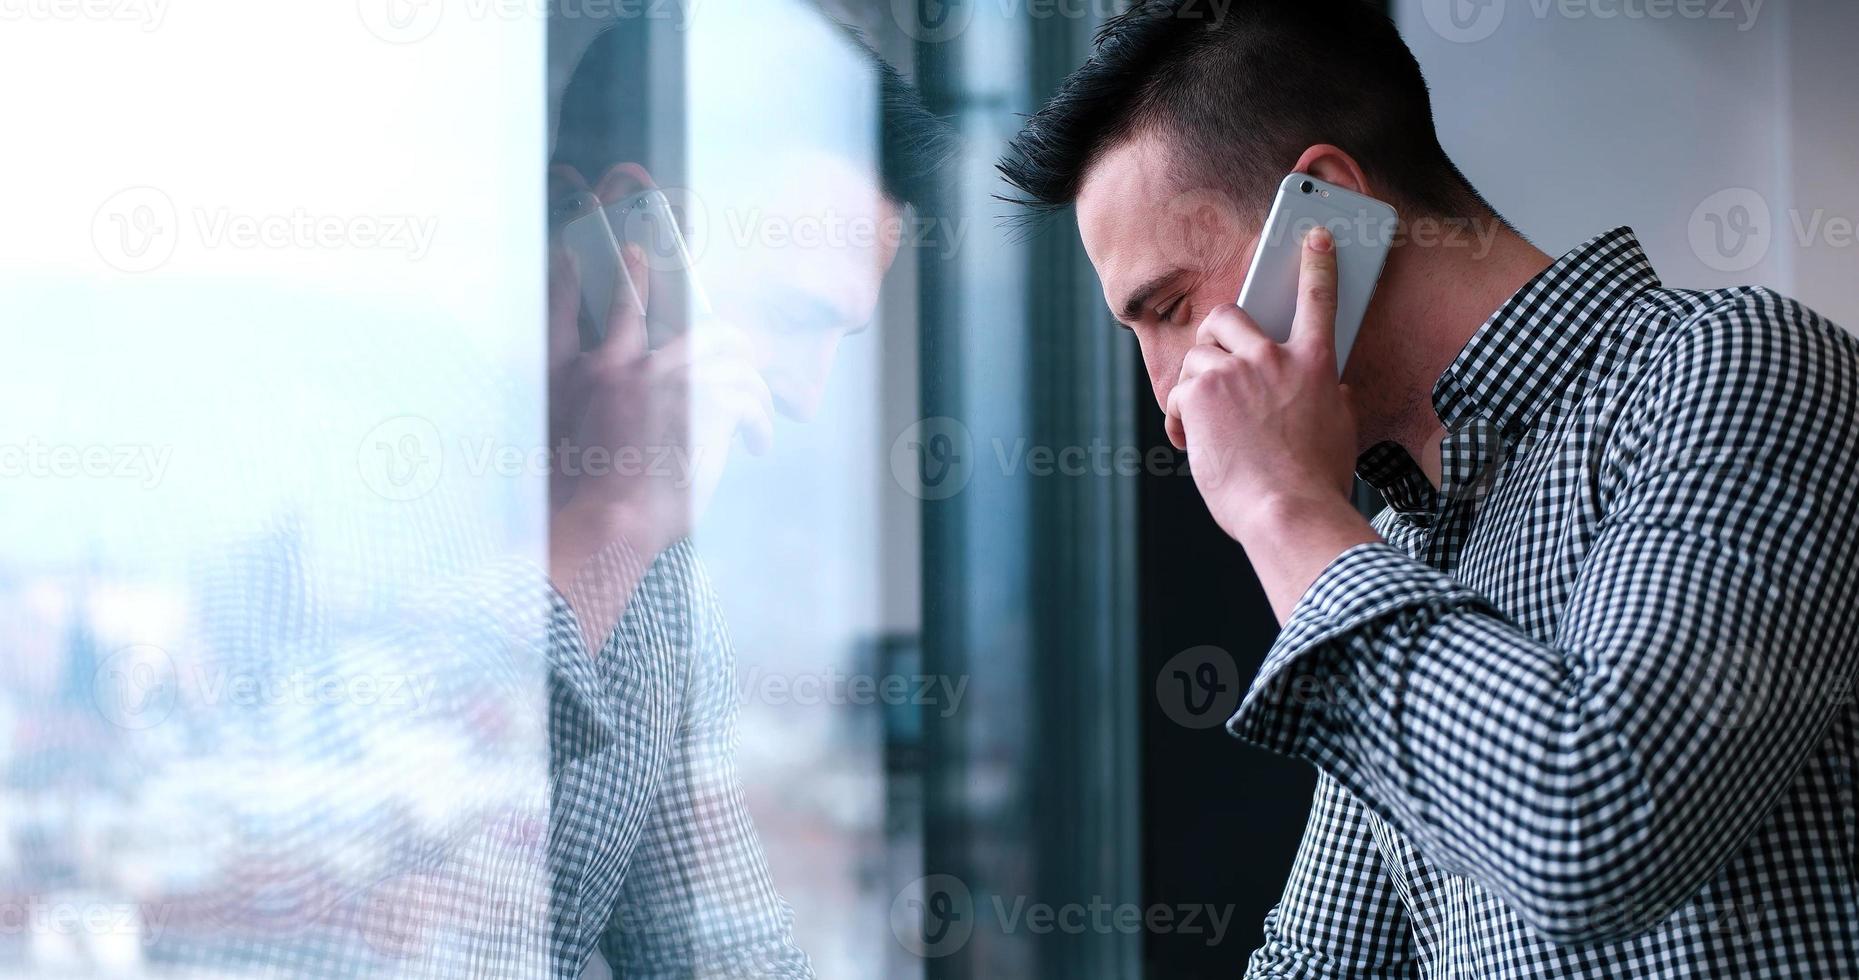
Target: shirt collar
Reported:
point(1534, 347)
point(1528, 354)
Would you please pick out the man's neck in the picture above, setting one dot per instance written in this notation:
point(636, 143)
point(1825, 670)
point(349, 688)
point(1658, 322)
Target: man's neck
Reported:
point(1441, 296)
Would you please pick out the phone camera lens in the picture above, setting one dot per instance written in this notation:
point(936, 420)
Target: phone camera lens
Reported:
point(1306, 187)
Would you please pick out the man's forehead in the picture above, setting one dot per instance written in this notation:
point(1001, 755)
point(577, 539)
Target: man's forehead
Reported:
point(1130, 178)
point(1142, 221)
point(1124, 193)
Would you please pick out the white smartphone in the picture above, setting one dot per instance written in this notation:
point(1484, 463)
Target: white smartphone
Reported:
point(597, 234)
point(1363, 229)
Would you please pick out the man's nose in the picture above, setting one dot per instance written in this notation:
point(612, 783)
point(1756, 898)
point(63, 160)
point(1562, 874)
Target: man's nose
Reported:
point(1164, 368)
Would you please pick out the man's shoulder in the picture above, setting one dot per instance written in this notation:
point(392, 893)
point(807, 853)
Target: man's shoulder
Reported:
point(1743, 329)
point(676, 586)
point(1745, 371)
point(1747, 344)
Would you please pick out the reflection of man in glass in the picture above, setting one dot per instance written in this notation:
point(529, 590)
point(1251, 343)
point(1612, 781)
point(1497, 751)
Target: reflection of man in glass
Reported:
point(654, 860)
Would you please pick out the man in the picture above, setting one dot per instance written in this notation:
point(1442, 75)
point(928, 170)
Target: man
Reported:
point(1587, 675)
point(652, 853)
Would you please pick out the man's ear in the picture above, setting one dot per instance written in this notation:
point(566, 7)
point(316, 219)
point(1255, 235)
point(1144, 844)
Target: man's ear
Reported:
point(622, 180)
point(1330, 163)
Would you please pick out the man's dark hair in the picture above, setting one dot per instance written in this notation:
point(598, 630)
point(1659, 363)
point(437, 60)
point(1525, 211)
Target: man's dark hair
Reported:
point(604, 118)
point(1241, 94)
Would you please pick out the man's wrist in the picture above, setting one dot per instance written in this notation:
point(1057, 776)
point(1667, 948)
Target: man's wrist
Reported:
point(597, 556)
point(579, 530)
point(1280, 514)
point(1290, 539)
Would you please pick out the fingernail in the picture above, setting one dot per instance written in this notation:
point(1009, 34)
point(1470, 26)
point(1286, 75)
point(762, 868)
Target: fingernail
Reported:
point(1319, 239)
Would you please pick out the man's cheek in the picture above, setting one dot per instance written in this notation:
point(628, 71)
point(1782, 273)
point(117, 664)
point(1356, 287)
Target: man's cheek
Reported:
point(1163, 365)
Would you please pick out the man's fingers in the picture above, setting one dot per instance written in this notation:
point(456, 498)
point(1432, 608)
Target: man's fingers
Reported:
point(1315, 324)
point(732, 392)
point(564, 308)
point(632, 288)
point(757, 425)
point(1176, 429)
point(1199, 359)
point(1232, 328)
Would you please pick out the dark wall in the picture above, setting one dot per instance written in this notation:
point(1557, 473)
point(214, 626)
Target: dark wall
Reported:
point(1221, 819)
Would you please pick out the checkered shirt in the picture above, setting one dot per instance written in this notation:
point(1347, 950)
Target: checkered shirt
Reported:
point(652, 852)
point(1586, 712)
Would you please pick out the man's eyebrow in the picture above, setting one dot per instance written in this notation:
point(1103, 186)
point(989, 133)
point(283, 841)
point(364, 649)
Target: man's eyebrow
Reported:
point(1133, 307)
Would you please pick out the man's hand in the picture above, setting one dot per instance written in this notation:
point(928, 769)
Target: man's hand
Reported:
point(1270, 434)
point(639, 437)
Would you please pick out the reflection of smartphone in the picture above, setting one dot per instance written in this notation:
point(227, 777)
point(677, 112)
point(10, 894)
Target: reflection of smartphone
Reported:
point(1363, 229)
point(596, 238)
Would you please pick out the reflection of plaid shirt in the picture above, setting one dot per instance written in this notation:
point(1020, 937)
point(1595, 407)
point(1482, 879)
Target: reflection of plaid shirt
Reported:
point(1595, 719)
point(652, 852)
point(648, 855)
